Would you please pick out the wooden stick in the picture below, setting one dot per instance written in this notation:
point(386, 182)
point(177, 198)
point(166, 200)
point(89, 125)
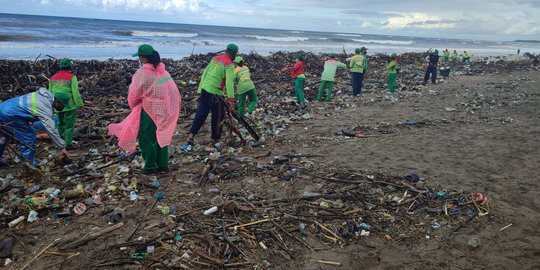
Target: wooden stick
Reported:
point(211, 259)
point(505, 227)
point(41, 252)
point(290, 235)
point(253, 223)
point(328, 230)
point(231, 265)
point(226, 238)
point(329, 262)
point(354, 211)
point(308, 197)
point(93, 236)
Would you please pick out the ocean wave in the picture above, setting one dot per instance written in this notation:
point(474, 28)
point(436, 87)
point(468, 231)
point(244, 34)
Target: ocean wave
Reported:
point(282, 39)
point(105, 44)
point(122, 33)
point(163, 34)
point(340, 39)
point(19, 38)
point(349, 35)
point(382, 41)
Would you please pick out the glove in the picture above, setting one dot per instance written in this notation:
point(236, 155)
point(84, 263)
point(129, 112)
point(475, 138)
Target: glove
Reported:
point(231, 104)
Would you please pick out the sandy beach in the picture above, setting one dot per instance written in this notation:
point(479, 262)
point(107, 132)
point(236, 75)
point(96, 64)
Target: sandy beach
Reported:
point(476, 131)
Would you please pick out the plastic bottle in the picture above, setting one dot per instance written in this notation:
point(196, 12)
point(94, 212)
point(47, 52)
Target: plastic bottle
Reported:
point(16, 221)
point(32, 216)
point(210, 210)
point(55, 193)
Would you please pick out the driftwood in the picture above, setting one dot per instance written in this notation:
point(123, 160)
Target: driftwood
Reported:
point(40, 253)
point(307, 197)
point(92, 236)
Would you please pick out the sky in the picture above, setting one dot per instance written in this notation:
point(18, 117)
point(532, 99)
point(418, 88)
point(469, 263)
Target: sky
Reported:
point(469, 19)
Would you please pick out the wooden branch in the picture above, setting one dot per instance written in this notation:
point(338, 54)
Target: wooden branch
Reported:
point(92, 236)
point(41, 252)
point(213, 260)
point(307, 197)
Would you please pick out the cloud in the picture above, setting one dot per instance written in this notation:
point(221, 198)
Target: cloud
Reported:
point(165, 6)
point(367, 25)
point(417, 20)
point(491, 19)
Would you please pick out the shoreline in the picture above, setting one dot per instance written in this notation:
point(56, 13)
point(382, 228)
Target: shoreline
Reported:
point(179, 53)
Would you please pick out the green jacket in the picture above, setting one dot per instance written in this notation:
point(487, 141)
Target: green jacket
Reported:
point(242, 77)
point(65, 81)
point(392, 67)
point(218, 75)
point(330, 67)
point(358, 63)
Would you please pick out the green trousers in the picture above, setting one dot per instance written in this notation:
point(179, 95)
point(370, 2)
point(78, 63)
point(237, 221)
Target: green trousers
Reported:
point(322, 89)
point(66, 125)
point(154, 156)
point(299, 90)
point(392, 82)
point(252, 95)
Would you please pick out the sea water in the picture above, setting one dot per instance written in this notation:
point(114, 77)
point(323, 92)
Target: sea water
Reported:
point(30, 37)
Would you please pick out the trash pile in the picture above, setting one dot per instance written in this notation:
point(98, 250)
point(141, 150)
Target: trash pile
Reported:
point(228, 215)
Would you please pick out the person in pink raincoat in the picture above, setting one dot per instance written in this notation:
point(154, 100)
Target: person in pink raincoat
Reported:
point(155, 104)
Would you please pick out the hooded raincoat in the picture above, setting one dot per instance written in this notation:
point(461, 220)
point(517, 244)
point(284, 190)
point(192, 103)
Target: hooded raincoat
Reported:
point(153, 90)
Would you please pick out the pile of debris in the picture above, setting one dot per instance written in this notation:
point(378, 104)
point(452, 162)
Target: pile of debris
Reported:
point(236, 220)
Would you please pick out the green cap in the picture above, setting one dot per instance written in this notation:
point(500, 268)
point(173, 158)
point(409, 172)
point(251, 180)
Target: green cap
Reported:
point(63, 97)
point(332, 55)
point(238, 59)
point(144, 50)
point(65, 62)
point(394, 55)
point(232, 48)
point(357, 50)
point(363, 49)
point(299, 56)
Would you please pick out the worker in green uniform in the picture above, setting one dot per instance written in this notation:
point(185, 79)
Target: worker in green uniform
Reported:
point(393, 69)
point(217, 80)
point(446, 55)
point(328, 76)
point(297, 73)
point(454, 56)
point(66, 82)
point(244, 87)
point(358, 66)
point(466, 57)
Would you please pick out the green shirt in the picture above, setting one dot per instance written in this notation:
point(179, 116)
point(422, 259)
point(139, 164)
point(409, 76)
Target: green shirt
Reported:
point(66, 82)
point(358, 63)
point(392, 67)
point(218, 75)
point(242, 77)
point(330, 67)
